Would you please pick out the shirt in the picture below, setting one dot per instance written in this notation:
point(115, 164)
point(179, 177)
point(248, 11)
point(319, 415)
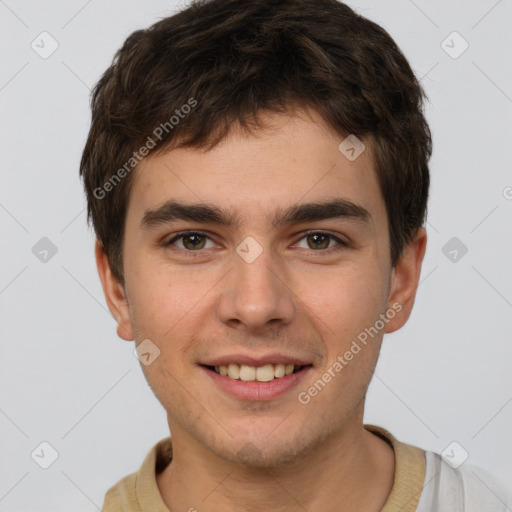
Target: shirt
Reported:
point(423, 482)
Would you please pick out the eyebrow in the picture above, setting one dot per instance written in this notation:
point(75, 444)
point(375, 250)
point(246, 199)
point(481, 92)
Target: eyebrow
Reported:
point(210, 214)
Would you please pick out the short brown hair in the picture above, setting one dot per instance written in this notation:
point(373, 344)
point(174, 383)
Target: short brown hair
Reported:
point(227, 61)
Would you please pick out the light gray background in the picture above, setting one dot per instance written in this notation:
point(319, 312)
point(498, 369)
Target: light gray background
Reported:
point(68, 380)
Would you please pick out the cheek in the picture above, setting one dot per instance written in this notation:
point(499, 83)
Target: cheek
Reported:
point(348, 301)
point(163, 300)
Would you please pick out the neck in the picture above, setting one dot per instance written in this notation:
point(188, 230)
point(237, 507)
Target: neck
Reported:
point(353, 470)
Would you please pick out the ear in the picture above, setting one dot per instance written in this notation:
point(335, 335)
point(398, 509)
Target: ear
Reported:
point(405, 279)
point(114, 294)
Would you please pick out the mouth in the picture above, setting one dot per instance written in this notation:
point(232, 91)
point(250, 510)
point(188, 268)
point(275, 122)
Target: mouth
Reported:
point(264, 373)
point(261, 377)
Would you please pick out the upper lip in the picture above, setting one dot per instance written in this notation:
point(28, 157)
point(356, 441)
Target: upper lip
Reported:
point(257, 361)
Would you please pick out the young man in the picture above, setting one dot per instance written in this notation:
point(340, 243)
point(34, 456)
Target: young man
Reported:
point(257, 177)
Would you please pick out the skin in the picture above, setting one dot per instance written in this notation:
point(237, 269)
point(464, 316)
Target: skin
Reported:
point(231, 454)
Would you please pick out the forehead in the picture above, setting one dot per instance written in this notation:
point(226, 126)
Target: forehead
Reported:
point(294, 159)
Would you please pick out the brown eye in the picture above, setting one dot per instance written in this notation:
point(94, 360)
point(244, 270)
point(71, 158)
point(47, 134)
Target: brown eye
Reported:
point(318, 241)
point(190, 241)
point(193, 241)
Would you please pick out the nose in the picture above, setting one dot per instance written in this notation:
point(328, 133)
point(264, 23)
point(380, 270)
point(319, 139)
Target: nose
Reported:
point(256, 295)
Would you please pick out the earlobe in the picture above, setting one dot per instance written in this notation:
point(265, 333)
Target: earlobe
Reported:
point(405, 280)
point(114, 294)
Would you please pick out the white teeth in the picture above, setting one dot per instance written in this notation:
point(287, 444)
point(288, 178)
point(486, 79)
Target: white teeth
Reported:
point(247, 372)
point(265, 373)
point(234, 371)
point(279, 371)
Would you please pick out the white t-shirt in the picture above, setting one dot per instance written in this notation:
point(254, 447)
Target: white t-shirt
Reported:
point(467, 488)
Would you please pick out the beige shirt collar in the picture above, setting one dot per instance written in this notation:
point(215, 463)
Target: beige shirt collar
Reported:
point(139, 491)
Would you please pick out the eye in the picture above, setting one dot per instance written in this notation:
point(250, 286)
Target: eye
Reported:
point(191, 241)
point(195, 241)
point(319, 241)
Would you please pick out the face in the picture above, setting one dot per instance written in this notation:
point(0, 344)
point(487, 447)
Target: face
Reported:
point(270, 250)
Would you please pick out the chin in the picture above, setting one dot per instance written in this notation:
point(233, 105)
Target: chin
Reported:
point(262, 456)
point(261, 451)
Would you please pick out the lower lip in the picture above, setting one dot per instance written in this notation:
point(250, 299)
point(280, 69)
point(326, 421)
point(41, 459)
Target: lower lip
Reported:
point(257, 391)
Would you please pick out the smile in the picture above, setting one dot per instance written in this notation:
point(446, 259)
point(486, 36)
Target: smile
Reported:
point(265, 373)
point(255, 383)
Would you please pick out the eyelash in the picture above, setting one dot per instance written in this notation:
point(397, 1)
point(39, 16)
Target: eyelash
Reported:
point(341, 244)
